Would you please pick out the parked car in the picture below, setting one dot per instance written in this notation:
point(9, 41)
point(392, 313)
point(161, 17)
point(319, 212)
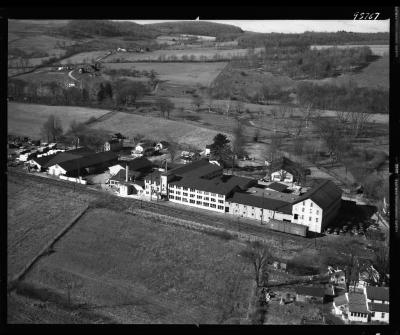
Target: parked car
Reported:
point(328, 230)
point(341, 232)
point(345, 227)
point(336, 231)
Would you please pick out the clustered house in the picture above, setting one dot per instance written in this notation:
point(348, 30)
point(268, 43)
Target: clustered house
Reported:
point(369, 305)
point(202, 184)
point(287, 171)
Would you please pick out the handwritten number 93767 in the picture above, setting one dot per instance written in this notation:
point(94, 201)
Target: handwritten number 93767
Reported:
point(365, 16)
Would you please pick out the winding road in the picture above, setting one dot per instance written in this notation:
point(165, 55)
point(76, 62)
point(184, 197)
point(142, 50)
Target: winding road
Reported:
point(71, 76)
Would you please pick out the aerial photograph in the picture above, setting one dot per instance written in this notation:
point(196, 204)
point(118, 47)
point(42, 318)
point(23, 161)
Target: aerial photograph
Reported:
point(198, 172)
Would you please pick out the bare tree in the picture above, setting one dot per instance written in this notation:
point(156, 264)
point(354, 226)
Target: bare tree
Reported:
point(165, 105)
point(258, 255)
point(358, 121)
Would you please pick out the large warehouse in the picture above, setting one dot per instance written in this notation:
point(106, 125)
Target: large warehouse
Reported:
point(202, 184)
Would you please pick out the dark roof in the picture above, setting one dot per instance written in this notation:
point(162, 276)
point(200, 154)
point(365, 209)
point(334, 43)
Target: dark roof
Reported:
point(323, 194)
point(220, 184)
point(340, 300)
point(261, 202)
point(68, 155)
point(114, 140)
point(310, 291)
point(154, 176)
point(357, 303)
point(180, 171)
point(43, 159)
point(137, 163)
point(277, 186)
point(373, 307)
point(378, 293)
point(286, 164)
point(89, 160)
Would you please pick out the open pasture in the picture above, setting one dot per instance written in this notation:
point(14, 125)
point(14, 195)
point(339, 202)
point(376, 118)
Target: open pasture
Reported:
point(157, 128)
point(177, 73)
point(138, 270)
point(35, 214)
point(27, 119)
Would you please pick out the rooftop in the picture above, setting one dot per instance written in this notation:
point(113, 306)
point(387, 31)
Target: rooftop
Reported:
point(374, 307)
point(245, 198)
point(277, 186)
point(68, 155)
point(378, 293)
point(259, 191)
point(312, 291)
point(323, 194)
point(357, 303)
point(220, 184)
point(340, 300)
point(89, 160)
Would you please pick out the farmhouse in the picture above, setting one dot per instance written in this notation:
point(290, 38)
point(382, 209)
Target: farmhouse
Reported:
point(357, 307)
point(113, 145)
point(287, 171)
point(143, 148)
point(161, 145)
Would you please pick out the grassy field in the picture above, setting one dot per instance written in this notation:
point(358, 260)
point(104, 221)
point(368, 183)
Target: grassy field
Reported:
point(141, 271)
point(27, 119)
point(177, 73)
point(35, 215)
point(375, 75)
point(157, 128)
point(84, 57)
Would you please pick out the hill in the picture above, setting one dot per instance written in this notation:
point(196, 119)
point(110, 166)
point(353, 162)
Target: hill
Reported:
point(196, 28)
point(106, 28)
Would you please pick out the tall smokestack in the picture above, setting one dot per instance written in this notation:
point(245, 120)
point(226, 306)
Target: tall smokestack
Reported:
point(127, 170)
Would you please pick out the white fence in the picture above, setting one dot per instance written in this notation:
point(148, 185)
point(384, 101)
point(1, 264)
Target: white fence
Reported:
point(75, 180)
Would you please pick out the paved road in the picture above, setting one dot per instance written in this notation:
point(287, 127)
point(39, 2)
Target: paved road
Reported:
point(71, 76)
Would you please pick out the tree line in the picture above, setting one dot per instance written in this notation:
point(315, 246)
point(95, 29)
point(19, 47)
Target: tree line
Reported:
point(346, 97)
point(108, 94)
point(310, 38)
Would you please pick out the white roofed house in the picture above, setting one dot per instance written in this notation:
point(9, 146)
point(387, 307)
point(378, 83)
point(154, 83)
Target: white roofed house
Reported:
point(143, 148)
point(162, 145)
point(318, 207)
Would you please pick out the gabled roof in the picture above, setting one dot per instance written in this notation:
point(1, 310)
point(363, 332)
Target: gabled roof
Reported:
point(378, 293)
point(261, 202)
point(357, 303)
point(87, 161)
point(311, 291)
point(43, 159)
point(374, 307)
point(324, 194)
point(68, 155)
